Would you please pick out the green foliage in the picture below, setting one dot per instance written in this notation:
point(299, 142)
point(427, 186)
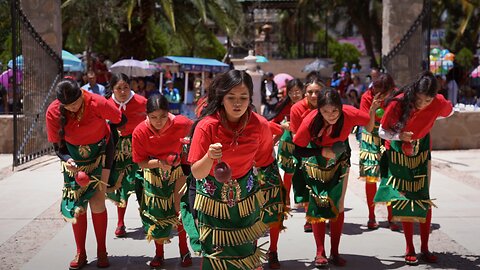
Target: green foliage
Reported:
point(340, 52)
point(5, 33)
point(464, 57)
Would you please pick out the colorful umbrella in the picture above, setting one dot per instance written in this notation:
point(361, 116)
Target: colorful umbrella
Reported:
point(132, 68)
point(281, 79)
point(71, 63)
point(476, 72)
point(8, 74)
point(316, 65)
point(261, 59)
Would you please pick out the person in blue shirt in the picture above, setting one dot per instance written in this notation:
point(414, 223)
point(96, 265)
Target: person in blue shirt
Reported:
point(92, 86)
point(173, 96)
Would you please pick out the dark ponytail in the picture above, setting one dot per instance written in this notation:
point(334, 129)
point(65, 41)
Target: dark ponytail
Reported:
point(67, 92)
point(426, 84)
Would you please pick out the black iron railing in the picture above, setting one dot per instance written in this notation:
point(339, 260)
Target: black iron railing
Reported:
point(40, 68)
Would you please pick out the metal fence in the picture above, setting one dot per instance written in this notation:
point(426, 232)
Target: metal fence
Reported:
point(40, 68)
point(413, 48)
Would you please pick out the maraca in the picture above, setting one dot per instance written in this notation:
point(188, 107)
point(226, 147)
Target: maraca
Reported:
point(407, 148)
point(173, 159)
point(82, 178)
point(222, 172)
point(379, 112)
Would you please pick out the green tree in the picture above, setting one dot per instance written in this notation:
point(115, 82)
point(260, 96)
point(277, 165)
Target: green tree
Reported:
point(364, 14)
point(5, 32)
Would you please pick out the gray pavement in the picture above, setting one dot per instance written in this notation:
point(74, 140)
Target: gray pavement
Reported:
point(34, 236)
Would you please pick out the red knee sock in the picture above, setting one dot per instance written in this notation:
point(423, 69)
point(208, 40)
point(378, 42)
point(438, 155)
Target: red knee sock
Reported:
point(336, 228)
point(287, 183)
point(100, 226)
point(370, 190)
point(390, 215)
point(425, 231)
point(274, 234)
point(80, 232)
point(182, 240)
point(158, 249)
point(408, 233)
point(319, 235)
point(121, 215)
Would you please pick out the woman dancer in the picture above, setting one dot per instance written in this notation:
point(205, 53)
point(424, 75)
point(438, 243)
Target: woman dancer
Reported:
point(125, 178)
point(76, 125)
point(231, 151)
point(297, 113)
point(407, 121)
point(327, 165)
point(156, 147)
point(371, 144)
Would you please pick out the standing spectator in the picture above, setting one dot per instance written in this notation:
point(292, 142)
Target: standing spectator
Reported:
point(92, 86)
point(141, 86)
point(442, 85)
point(10, 90)
point(342, 87)
point(101, 70)
point(344, 69)
point(354, 69)
point(354, 91)
point(173, 96)
point(229, 208)
point(452, 87)
point(77, 127)
point(327, 163)
point(269, 92)
point(3, 100)
point(407, 123)
point(150, 88)
point(374, 73)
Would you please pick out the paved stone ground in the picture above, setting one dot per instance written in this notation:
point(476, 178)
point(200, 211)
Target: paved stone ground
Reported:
point(34, 236)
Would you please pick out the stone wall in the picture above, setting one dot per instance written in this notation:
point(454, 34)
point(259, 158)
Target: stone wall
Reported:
point(459, 131)
point(6, 134)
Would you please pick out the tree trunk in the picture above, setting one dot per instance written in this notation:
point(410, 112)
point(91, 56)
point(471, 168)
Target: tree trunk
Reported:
point(360, 16)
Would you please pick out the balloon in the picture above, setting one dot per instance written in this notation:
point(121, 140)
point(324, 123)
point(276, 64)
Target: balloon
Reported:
point(444, 52)
point(433, 58)
point(379, 112)
point(222, 172)
point(448, 64)
point(82, 179)
point(449, 56)
point(435, 52)
point(407, 148)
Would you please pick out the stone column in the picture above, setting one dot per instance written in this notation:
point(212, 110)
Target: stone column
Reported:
point(398, 17)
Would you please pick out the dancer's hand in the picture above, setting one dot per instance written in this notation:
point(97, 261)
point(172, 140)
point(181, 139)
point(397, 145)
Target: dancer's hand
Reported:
point(71, 165)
